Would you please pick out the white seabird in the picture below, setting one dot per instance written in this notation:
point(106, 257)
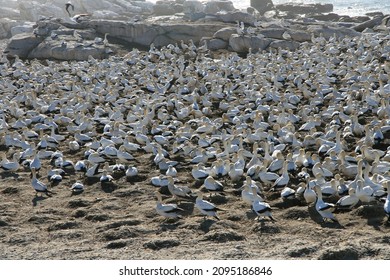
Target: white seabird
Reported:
point(77, 187)
point(8, 165)
point(287, 193)
point(212, 185)
point(206, 208)
point(131, 172)
point(38, 186)
point(386, 206)
point(179, 192)
point(349, 201)
point(262, 209)
point(105, 177)
point(170, 210)
point(323, 208)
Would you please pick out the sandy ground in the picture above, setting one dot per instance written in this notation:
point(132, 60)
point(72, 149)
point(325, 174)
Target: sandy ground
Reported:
point(120, 222)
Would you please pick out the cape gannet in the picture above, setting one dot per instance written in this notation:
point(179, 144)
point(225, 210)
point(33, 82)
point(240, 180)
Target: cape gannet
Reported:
point(167, 210)
point(207, 208)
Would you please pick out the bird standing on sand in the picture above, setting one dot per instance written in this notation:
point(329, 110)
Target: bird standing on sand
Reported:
point(38, 185)
point(386, 206)
point(67, 6)
point(170, 210)
point(206, 208)
point(262, 209)
point(179, 192)
point(77, 188)
point(323, 208)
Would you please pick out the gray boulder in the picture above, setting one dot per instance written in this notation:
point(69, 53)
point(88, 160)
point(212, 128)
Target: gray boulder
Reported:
point(237, 16)
point(40, 10)
point(215, 6)
point(242, 44)
point(369, 23)
point(274, 33)
point(105, 14)
point(225, 33)
point(67, 50)
point(26, 27)
point(299, 35)
point(162, 34)
point(214, 44)
point(262, 5)
point(285, 45)
point(5, 26)
point(22, 44)
point(329, 31)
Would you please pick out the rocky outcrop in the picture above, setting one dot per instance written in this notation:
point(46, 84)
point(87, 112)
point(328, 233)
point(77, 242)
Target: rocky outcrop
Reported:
point(215, 23)
point(236, 16)
point(297, 8)
point(262, 6)
point(225, 33)
point(59, 40)
point(26, 27)
point(22, 44)
point(369, 23)
point(217, 6)
point(144, 34)
point(214, 44)
point(329, 31)
point(165, 8)
point(284, 45)
point(243, 43)
point(68, 50)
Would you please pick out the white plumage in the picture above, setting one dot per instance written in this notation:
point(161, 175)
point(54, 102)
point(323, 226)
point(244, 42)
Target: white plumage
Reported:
point(262, 209)
point(167, 210)
point(323, 208)
point(206, 208)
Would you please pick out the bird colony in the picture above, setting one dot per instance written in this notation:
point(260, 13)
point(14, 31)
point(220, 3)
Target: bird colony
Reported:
point(189, 127)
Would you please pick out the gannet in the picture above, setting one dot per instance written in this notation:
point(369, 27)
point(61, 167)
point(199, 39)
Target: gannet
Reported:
point(309, 194)
point(77, 187)
point(55, 176)
point(349, 201)
point(386, 206)
point(38, 186)
point(8, 165)
point(36, 162)
point(364, 193)
point(171, 171)
point(206, 208)
point(67, 6)
point(199, 172)
point(167, 210)
point(105, 177)
point(283, 180)
point(179, 192)
point(287, 193)
point(212, 185)
point(159, 181)
point(323, 208)
point(131, 172)
point(262, 209)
